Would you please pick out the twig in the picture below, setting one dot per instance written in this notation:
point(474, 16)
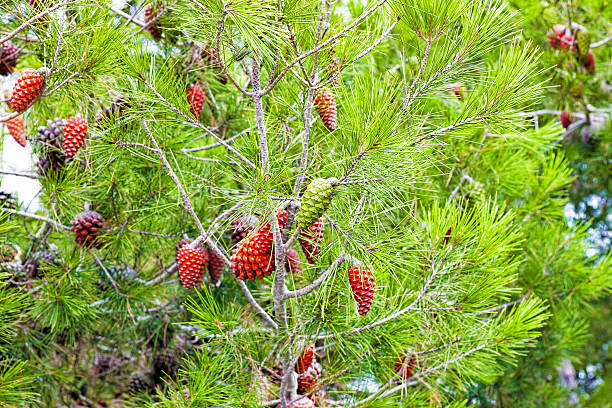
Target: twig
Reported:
point(18, 174)
point(129, 18)
point(30, 21)
point(602, 42)
point(38, 217)
point(110, 278)
point(64, 82)
point(152, 20)
point(211, 146)
point(309, 288)
point(411, 93)
point(260, 120)
point(134, 144)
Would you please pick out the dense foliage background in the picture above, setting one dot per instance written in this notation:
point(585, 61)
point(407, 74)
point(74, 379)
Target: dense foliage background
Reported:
point(468, 167)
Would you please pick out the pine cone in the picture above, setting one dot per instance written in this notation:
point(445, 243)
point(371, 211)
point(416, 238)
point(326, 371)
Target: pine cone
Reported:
point(293, 263)
point(253, 255)
point(315, 201)
point(589, 62)
point(87, 227)
point(362, 283)
point(8, 58)
point(242, 227)
point(309, 379)
point(325, 102)
point(195, 97)
point(50, 137)
point(49, 147)
point(138, 383)
point(165, 364)
point(153, 27)
point(311, 240)
point(116, 109)
point(35, 264)
point(8, 253)
point(405, 365)
point(74, 135)
point(566, 119)
point(26, 91)
point(191, 264)
point(215, 267)
point(17, 130)
point(302, 402)
point(583, 40)
point(305, 359)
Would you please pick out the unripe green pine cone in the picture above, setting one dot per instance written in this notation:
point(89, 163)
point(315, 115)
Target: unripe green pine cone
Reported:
point(584, 42)
point(315, 201)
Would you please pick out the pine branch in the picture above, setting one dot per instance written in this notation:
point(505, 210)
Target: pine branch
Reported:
point(65, 81)
point(18, 174)
point(260, 120)
point(37, 217)
point(211, 146)
point(602, 42)
point(129, 18)
point(153, 19)
point(411, 93)
point(32, 20)
point(314, 285)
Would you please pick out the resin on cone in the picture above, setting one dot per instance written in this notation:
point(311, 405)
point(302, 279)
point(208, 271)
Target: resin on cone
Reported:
point(8, 58)
point(293, 262)
point(311, 240)
point(566, 119)
point(17, 130)
point(325, 102)
point(195, 97)
point(315, 201)
point(253, 256)
point(87, 227)
point(74, 135)
point(191, 264)
point(26, 91)
point(305, 359)
point(362, 284)
point(215, 267)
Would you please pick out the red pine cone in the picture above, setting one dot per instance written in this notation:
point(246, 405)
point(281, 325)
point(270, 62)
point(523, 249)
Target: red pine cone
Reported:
point(26, 90)
point(309, 379)
point(325, 102)
point(362, 283)
point(215, 267)
point(74, 135)
point(253, 255)
point(152, 28)
point(195, 97)
point(243, 227)
point(17, 130)
point(566, 119)
point(293, 263)
point(87, 227)
point(306, 359)
point(589, 62)
point(8, 58)
point(405, 365)
point(311, 240)
point(191, 264)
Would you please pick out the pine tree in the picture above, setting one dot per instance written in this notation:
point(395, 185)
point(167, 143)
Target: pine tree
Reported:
point(453, 206)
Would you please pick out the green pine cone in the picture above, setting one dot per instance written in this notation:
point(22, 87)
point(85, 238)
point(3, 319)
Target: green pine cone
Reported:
point(315, 201)
point(584, 42)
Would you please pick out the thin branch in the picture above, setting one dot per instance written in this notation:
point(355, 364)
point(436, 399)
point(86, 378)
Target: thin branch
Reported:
point(155, 234)
point(411, 93)
point(38, 217)
point(30, 21)
point(602, 42)
point(64, 82)
point(134, 144)
point(129, 18)
point(259, 119)
point(220, 62)
point(157, 15)
point(18, 174)
point(211, 146)
point(110, 278)
point(314, 285)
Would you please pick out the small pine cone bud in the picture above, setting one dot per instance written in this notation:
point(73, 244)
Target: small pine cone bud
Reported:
point(583, 40)
point(191, 264)
point(8, 58)
point(325, 101)
point(87, 228)
point(152, 27)
point(195, 97)
point(311, 240)
point(315, 201)
point(293, 263)
point(305, 359)
point(215, 267)
point(26, 91)
point(242, 227)
point(555, 34)
point(362, 284)
point(566, 119)
point(74, 135)
point(17, 130)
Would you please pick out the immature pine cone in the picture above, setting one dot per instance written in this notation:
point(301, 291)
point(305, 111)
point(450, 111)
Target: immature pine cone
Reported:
point(74, 135)
point(292, 262)
point(8, 58)
point(315, 201)
point(305, 359)
point(309, 379)
point(195, 97)
point(191, 264)
point(17, 130)
point(87, 227)
point(26, 90)
point(583, 39)
point(311, 240)
point(566, 119)
point(325, 101)
point(215, 267)
point(362, 283)
point(405, 365)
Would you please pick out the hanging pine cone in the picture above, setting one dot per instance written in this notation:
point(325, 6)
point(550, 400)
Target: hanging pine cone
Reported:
point(242, 227)
point(195, 97)
point(293, 263)
point(87, 227)
point(583, 40)
point(315, 201)
point(589, 62)
point(74, 135)
point(566, 119)
point(325, 101)
point(310, 378)
point(253, 256)
point(311, 240)
point(116, 110)
point(35, 265)
point(26, 91)
point(50, 137)
point(305, 359)
point(8, 58)
point(152, 26)
point(362, 283)
point(138, 383)
point(49, 147)
point(215, 267)
point(191, 264)
point(405, 365)
point(17, 130)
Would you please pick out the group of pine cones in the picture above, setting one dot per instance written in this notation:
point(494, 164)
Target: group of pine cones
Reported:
point(561, 37)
